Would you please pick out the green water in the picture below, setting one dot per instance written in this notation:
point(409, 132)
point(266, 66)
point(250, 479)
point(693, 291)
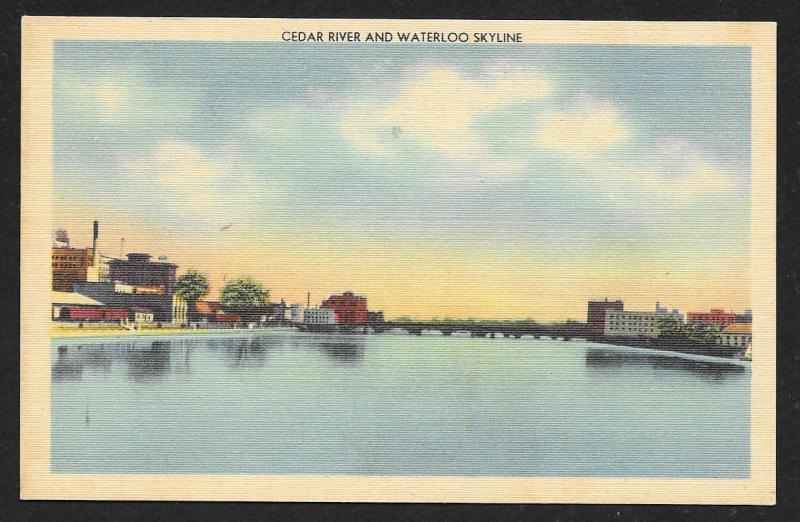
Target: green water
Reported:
point(288, 402)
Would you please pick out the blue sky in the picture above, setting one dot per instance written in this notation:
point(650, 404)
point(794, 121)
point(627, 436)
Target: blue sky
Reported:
point(574, 153)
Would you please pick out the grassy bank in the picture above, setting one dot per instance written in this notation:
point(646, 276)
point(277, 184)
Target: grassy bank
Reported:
point(60, 332)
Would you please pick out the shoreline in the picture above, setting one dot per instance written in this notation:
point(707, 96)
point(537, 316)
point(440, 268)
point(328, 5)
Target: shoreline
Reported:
point(68, 334)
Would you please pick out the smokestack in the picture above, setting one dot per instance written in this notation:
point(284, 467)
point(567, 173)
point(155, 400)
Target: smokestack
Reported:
point(308, 300)
point(95, 233)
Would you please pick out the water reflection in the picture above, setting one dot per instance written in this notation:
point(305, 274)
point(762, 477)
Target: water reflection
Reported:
point(149, 364)
point(246, 353)
point(346, 352)
point(613, 361)
point(66, 367)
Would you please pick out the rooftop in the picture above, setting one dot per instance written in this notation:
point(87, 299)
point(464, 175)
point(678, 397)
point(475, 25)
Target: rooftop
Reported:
point(738, 328)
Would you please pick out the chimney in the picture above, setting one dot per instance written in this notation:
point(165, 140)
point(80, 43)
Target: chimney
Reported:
point(95, 233)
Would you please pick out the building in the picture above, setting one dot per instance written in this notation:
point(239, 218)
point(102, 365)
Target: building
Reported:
point(347, 307)
point(319, 316)
point(208, 312)
point(69, 266)
point(375, 317)
point(166, 308)
point(72, 265)
point(736, 334)
point(596, 314)
point(138, 270)
point(663, 311)
point(140, 315)
point(715, 316)
point(296, 313)
point(619, 323)
point(99, 270)
point(744, 317)
point(62, 300)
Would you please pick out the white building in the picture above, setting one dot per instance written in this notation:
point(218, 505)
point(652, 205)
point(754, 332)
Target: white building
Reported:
point(318, 316)
point(296, 313)
point(620, 323)
point(736, 334)
point(663, 311)
point(98, 271)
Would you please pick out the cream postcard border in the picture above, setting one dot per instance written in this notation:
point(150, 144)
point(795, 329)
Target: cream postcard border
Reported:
point(36, 480)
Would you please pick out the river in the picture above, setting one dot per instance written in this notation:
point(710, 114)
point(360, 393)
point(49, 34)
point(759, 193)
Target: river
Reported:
point(289, 402)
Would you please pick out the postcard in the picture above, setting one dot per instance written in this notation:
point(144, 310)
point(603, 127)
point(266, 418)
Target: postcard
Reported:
point(396, 260)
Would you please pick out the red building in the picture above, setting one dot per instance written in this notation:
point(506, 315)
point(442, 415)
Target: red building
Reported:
point(715, 316)
point(596, 315)
point(347, 307)
point(87, 313)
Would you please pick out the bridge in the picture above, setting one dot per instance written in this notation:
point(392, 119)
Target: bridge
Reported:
point(564, 331)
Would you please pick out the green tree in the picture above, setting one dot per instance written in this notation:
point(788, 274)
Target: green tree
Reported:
point(192, 286)
point(245, 297)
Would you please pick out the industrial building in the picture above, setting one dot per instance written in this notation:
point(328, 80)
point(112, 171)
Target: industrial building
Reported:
point(619, 323)
point(714, 316)
point(347, 307)
point(138, 270)
point(596, 314)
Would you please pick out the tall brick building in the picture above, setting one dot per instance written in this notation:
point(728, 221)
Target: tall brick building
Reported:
point(347, 307)
point(596, 314)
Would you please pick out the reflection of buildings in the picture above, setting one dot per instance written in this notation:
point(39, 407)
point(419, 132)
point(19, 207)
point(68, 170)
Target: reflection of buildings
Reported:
point(146, 364)
point(610, 360)
point(347, 352)
point(620, 323)
point(596, 314)
point(347, 307)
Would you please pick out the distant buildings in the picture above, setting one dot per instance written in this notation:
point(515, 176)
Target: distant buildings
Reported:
point(347, 307)
point(296, 313)
point(209, 312)
point(596, 314)
point(375, 317)
point(619, 323)
point(736, 334)
point(715, 316)
point(319, 316)
point(744, 317)
point(663, 311)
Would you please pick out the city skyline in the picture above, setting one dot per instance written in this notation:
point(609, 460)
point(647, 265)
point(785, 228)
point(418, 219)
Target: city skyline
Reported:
point(509, 182)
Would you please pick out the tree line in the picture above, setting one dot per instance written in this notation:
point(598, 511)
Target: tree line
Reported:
point(243, 296)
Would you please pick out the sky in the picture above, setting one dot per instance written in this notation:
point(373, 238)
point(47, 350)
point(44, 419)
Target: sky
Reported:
point(511, 181)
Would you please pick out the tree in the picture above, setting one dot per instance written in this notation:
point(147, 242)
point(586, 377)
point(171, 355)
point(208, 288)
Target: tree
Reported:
point(192, 286)
point(245, 297)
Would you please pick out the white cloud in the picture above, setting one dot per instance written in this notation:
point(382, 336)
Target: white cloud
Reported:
point(125, 98)
point(671, 173)
point(181, 171)
point(437, 111)
point(583, 131)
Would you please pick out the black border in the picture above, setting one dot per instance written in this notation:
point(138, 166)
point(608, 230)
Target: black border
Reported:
point(788, 280)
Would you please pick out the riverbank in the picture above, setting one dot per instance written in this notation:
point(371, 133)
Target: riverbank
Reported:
point(60, 332)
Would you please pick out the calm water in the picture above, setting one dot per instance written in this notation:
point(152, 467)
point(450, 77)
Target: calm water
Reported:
point(287, 402)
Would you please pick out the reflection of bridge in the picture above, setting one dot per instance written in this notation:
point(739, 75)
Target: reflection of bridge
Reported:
point(565, 331)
